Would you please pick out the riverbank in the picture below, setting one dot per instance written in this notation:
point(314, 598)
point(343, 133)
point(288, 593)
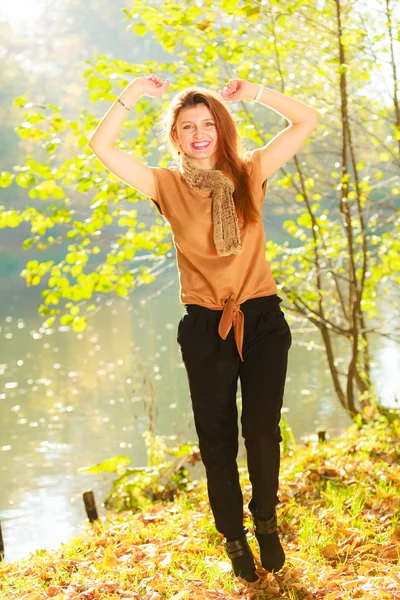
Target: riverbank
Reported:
point(339, 520)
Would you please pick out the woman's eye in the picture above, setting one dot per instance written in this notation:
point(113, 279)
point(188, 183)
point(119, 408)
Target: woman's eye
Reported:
point(186, 126)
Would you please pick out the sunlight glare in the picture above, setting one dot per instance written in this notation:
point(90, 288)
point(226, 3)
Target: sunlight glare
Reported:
point(21, 12)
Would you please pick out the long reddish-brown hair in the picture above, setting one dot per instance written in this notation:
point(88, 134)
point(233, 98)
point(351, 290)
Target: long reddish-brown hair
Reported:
point(231, 156)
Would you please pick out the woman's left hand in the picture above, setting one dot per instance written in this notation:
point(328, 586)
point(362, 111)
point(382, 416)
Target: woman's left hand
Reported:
point(235, 89)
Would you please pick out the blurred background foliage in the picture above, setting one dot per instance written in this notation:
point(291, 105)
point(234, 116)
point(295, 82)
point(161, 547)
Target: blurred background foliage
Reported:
point(339, 196)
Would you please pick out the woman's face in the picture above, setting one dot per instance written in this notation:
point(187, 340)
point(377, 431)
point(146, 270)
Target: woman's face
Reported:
point(197, 135)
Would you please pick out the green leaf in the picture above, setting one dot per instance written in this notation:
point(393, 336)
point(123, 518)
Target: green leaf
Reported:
point(140, 29)
point(305, 220)
point(110, 465)
point(6, 179)
point(49, 322)
point(66, 319)
point(121, 290)
point(79, 324)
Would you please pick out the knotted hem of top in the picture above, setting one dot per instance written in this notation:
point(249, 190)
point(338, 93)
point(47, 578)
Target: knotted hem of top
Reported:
point(232, 316)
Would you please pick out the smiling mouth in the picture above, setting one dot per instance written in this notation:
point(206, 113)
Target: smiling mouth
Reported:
point(200, 147)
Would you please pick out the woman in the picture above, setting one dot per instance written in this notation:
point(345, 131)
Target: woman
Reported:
point(233, 326)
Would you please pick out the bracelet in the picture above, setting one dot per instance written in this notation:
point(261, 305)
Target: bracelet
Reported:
point(259, 92)
point(120, 101)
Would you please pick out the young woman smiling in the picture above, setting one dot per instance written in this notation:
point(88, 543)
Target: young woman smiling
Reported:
point(233, 327)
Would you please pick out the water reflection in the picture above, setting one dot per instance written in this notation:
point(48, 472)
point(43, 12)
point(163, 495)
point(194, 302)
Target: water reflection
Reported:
point(73, 399)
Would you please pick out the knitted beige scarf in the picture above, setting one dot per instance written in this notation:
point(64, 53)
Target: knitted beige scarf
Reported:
point(226, 228)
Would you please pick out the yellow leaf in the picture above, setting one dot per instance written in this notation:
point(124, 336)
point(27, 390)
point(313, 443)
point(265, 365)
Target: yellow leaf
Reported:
point(110, 560)
point(365, 548)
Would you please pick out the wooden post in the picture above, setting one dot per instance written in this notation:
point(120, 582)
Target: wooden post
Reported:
point(90, 506)
point(1, 545)
point(321, 435)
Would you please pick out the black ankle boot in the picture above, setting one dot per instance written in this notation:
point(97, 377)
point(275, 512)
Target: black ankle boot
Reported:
point(271, 551)
point(242, 558)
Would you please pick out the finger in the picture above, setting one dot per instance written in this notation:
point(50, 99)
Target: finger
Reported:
point(155, 79)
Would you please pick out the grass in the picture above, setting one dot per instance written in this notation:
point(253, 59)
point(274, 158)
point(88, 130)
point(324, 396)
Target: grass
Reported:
point(339, 522)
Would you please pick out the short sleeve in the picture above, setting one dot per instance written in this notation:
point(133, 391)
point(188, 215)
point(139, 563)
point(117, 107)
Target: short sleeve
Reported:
point(158, 203)
point(259, 184)
point(165, 184)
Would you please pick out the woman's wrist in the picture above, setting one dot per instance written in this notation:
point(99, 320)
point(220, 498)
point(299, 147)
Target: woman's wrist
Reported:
point(252, 90)
point(131, 93)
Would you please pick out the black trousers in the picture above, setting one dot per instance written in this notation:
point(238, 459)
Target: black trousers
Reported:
point(213, 366)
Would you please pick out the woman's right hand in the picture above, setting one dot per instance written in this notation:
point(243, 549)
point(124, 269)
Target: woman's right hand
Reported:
point(152, 85)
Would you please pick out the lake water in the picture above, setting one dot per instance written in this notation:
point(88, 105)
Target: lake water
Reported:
point(70, 399)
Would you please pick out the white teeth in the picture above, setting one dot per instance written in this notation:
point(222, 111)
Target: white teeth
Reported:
point(200, 145)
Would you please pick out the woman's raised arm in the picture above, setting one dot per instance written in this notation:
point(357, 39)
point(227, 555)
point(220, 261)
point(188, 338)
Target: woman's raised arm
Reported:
point(102, 141)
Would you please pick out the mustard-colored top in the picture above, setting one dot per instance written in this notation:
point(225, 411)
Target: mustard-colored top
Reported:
point(216, 282)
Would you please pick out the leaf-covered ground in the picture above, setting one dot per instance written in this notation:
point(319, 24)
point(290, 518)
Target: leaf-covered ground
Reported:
point(339, 521)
